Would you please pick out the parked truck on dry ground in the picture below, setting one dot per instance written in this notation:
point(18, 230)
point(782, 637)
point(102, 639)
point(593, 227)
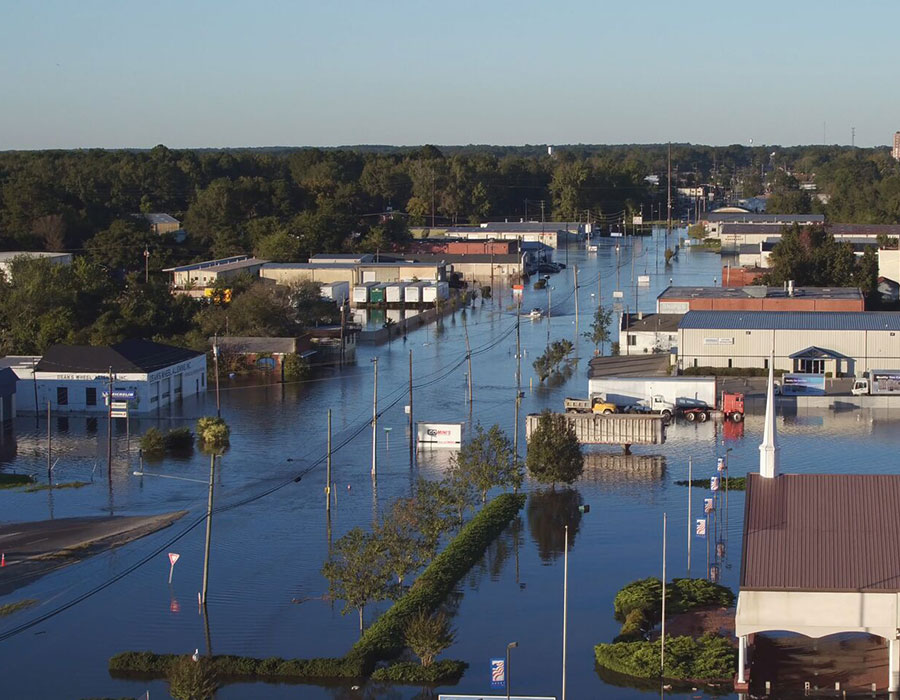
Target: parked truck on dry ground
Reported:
point(878, 382)
point(692, 397)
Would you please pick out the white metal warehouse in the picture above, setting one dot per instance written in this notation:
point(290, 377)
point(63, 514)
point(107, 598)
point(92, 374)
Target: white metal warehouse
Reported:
point(843, 344)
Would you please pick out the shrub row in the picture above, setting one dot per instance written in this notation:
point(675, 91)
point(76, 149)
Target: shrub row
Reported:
point(383, 640)
point(11, 481)
point(443, 672)
point(729, 372)
point(710, 658)
point(235, 667)
point(733, 483)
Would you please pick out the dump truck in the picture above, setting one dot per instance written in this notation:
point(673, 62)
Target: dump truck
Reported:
point(592, 405)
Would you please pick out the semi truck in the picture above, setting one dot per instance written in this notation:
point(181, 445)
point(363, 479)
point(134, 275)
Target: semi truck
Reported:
point(878, 382)
point(692, 397)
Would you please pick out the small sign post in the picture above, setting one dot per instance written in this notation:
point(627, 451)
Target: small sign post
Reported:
point(173, 557)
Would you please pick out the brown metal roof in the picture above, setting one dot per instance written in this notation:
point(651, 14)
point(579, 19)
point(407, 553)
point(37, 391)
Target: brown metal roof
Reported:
point(822, 532)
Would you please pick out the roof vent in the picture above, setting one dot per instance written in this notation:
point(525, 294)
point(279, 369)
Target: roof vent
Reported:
point(756, 291)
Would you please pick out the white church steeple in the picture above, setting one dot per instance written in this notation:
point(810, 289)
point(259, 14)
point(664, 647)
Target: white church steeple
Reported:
point(769, 449)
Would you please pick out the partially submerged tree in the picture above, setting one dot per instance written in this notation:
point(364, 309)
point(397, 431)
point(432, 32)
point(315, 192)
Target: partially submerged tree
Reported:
point(554, 453)
point(192, 680)
point(598, 332)
point(486, 461)
point(428, 635)
point(356, 572)
point(549, 362)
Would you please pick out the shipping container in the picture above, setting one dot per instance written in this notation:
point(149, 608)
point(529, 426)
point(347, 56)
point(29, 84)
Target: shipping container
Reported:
point(338, 292)
point(434, 291)
point(395, 293)
point(376, 293)
point(361, 292)
point(413, 292)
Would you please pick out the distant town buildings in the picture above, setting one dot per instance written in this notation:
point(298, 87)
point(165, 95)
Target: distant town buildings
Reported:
point(161, 223)
point(7, 257)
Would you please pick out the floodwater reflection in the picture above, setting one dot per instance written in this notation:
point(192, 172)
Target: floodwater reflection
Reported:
point(549, 512)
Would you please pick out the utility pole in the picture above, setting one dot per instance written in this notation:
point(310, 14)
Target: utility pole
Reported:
point(109, 390)
point(412, 436)
point(669, 197)
point(432, 196)
point(343, 308)
point(518, 343)
point(516, 425)
point(328, 469)
point(575, 270)
point(375, 421)
point(216, 364)
point(565, 609)
point(542, 211)
point(146, 265)
point(689, 523)
point(209, 507)
point(469, 361)
point(49, 463)
point(662, 648)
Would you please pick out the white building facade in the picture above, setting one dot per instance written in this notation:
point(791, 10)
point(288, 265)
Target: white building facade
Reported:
point(76, 379)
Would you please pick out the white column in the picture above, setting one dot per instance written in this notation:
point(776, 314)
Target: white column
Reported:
point(893, 665)
point(742, 655)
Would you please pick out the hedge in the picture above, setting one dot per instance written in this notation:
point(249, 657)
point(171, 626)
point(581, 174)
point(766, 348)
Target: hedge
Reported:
point(710, 658)
point(732, 483)
point(440, 672)
point(639, 604)
point(383, 640)
point(11, 481)
point(729, 372)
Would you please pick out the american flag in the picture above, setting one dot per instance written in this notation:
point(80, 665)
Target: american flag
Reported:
point(714, 483)
point(701, 527)
point(708, 505)
point(720, 465)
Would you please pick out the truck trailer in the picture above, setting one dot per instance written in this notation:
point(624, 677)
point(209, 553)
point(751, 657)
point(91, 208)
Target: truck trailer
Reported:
point(681, 392)
point(878, 382)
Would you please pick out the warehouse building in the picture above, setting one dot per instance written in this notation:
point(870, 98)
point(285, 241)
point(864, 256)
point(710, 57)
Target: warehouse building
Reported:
point(358, 270)
point(839, 344)
point(212, 272)
point(7, 257)
point(640, 333)
point(680, 300)
point(76, 378)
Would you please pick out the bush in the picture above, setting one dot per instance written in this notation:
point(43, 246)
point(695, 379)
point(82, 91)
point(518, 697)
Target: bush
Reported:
point(153, 443)
point(11, 481)
point(441, 672)
point(634, 627)
point(179, 440)
point(192, 680)
point(213, 433)
point(710, 658)
point(733, 483)
point(682, 595)
point(295, 368)
point(428, 635)
point(729, 372)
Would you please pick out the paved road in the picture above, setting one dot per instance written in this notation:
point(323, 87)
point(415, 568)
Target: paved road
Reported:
point(36, 548)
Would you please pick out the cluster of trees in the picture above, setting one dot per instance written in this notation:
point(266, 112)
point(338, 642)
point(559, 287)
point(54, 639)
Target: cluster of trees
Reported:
point(42, 304)
point(367, 567)
point(550, 360)
point(811, 256)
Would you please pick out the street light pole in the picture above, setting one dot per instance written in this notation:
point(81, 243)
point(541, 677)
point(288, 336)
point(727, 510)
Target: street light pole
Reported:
point(375, 420)
point(511, 645)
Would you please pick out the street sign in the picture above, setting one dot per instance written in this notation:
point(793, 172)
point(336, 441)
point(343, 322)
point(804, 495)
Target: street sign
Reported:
point(118, 414)
point(173, 557)
point(498, 673)
point(119, 405)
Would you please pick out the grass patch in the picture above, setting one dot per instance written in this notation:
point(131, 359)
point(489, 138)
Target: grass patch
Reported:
point(383, 640)
point(13, 481)
point(10, 608)
point(710, 658)
point(440, 672)
point(734, 483)
point(63, 485)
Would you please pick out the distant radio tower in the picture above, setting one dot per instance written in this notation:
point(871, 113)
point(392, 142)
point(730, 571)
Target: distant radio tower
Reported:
point(852, 136)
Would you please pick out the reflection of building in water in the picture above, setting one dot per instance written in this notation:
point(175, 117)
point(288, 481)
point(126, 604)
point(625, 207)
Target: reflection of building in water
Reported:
point(601, 467)
point(432, 462)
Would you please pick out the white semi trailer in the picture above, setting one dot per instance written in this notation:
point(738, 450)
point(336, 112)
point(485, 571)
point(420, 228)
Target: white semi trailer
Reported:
point(680, 392)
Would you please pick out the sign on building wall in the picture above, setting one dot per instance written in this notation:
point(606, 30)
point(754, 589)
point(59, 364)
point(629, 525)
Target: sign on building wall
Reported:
point(718, 341)
point(674, 307)
point(803, 384)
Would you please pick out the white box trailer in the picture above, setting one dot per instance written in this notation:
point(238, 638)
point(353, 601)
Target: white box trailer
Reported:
point(338, 292)
point(362, 291)
point(679, 391)
point(434, 291)
point(439, 434)
point(413, 293)
point(394, 293)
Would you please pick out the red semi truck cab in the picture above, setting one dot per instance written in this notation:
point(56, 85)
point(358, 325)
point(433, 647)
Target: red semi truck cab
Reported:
point(733, 406)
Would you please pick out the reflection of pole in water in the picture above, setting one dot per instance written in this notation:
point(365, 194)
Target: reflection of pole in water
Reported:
point(328, 529)
point(374, 500)
point(689, 534)
point(662, 637)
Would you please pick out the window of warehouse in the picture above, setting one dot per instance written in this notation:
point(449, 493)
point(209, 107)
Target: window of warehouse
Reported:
point(632, 339)
point(90, 396)
point(62, 396)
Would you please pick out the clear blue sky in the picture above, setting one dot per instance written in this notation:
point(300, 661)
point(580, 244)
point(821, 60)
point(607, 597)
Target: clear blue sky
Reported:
point(81, 73)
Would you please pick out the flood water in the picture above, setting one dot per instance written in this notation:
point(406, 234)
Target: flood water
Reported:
point(270, 535)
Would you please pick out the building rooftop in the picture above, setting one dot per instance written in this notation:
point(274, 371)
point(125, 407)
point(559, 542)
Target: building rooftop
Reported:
point(821, 532)
point(758, 292)
point(342, 257)
point(353, 265)
point(207, 263)
point(793, 320)
point(516, 227)
point(160, 218)
point(649, 365)
point(450, 258)
point(139, 356)
point(7, 255)
point(752, 217)
point(651, 323)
